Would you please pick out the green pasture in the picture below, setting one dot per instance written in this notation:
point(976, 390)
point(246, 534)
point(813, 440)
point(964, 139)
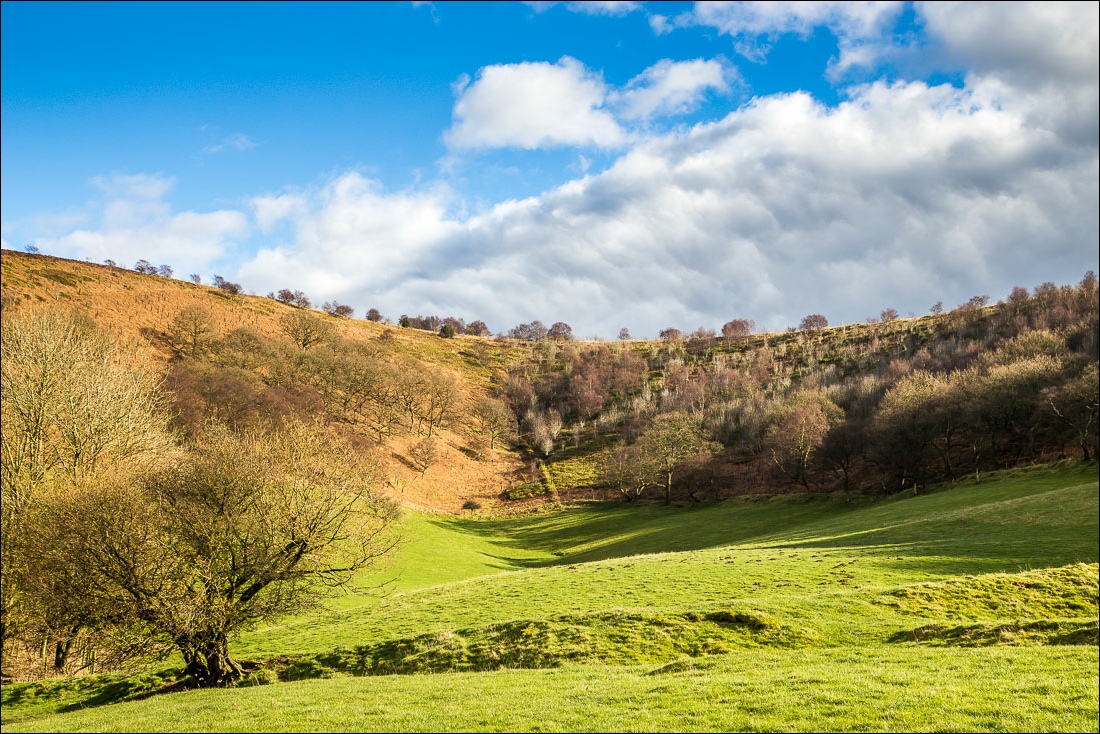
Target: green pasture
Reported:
point(967, 607)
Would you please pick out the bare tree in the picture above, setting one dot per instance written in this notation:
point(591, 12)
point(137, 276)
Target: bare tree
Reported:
point(560, 332)
point(244, 529)
point(534, 331)
point(628, 470)
point(440, 401)
point(671, 335)
point(1076, 408)
point(305, 330)
point(228, 286)
point(671, 439)
point(737, 328)
point(495, 420)
point(544, 429)
point(813, 322)
point(423, 454)
point(335, 308)
point(294, 298)
point(477, 328)
point(798, 428)
point(192, 331)
point(72, 402)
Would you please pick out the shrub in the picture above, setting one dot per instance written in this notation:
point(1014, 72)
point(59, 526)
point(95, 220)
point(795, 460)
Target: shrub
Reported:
point(260, 677)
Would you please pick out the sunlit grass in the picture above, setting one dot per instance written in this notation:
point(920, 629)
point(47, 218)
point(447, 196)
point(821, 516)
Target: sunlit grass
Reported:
point(848, 689)
point(966, 608)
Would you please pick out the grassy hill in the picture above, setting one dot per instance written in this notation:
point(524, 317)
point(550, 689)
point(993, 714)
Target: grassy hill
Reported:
point(969, 607)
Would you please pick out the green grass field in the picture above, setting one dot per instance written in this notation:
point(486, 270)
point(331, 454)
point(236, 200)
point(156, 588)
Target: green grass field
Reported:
point(971, 607)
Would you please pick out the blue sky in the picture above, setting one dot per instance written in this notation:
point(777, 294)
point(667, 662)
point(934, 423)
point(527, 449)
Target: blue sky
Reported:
point(604, 164)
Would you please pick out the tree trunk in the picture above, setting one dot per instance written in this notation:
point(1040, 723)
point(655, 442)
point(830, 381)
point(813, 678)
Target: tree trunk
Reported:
point(61, 653)
point(209, 662)
point(668, 487)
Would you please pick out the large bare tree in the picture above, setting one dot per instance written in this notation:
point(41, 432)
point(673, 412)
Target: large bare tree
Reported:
point(245, 527)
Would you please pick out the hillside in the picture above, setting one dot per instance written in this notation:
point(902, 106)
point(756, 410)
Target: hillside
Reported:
point(867, 408)
point(141, 308)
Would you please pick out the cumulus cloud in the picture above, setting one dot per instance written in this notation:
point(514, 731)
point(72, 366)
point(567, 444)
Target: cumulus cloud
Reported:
point(1035, 44)
point(350, 239)
point(903, 195)
point(861, 28)
point(1041, 56)
point(788, 208)
point(131, 220)
point(671, 88)
point(271, 210)
point(533, 105)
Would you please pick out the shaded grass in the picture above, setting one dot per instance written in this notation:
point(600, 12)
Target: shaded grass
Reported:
point(38, 698)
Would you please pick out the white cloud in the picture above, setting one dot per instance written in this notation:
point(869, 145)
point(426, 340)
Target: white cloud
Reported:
point(589, 7)
point(604, 7)
point(533, 105)
point(349, 238)
point(1032, 43)
point(1040, 57)
point(237, 141)
point(671, 88)
point(754, 25)
point(131, 221)
point(134, 187)
point(270, 210)
point(902, 196)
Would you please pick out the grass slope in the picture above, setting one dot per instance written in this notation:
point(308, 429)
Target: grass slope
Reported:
point(973, 607)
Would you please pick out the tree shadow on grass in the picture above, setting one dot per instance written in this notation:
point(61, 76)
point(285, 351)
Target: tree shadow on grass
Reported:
point(596, 532)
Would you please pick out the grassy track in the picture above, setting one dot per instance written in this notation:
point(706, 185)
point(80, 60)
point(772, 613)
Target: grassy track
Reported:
point(969, 608)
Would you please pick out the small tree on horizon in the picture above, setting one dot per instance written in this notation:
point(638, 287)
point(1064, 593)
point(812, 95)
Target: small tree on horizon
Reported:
point(813, 322)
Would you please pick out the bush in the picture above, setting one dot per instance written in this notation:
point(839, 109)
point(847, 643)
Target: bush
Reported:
point(260, 677)
point(525, 490)
point(471, 505)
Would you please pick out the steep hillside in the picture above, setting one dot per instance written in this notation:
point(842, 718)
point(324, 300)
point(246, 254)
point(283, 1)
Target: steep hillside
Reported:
point(142, 309)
